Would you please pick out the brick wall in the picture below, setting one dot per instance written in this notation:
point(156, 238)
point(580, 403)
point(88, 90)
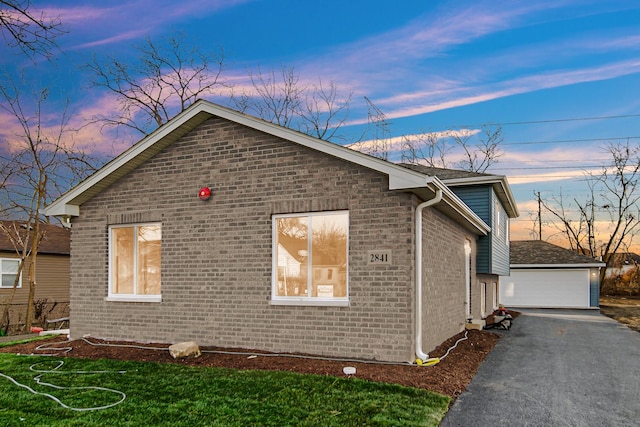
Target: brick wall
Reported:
point(444, 281)
point(216, 255)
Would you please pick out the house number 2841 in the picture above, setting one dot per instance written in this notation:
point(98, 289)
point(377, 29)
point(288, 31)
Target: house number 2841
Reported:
point(379, 257)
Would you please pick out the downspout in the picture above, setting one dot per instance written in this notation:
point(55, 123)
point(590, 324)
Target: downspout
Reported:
point(421, 355)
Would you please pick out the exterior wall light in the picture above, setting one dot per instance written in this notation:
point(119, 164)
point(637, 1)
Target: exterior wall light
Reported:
point(204, 193)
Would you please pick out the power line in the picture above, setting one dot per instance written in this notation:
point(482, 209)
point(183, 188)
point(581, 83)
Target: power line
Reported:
point(557, 160)
point(555, 177)
point(560, 141)
point(576, 119)
point(550, 167)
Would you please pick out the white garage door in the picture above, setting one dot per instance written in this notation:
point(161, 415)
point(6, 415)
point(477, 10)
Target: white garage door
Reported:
point(545, 288)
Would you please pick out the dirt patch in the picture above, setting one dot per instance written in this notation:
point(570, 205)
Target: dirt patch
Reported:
point(449, 377)
point(625, 310)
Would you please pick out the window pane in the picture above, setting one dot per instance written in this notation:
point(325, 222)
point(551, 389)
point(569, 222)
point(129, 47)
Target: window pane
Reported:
point(148, 279)
point(292, 256)
point(9, 270)
point(10, 266)
point(329, 255)
point(122, 260)
point(8, 280)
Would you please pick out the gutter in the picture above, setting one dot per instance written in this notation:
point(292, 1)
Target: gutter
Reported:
point(421, 355)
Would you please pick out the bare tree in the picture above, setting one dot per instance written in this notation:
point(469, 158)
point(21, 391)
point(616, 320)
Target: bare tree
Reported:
point(324, 111)
point(167, 78)
point(276, 98)
point(40, 163)
point(279, 97)
point(481, 154)
point(571, 228)
point(22, 249)
point(32, 32)
point(479, 150)
point(428, 148)
point(609, 217)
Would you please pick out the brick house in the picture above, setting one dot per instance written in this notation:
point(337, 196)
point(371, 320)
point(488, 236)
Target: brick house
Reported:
point(302, 246)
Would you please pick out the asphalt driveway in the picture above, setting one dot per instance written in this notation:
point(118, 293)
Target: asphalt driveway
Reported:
point(556, 368)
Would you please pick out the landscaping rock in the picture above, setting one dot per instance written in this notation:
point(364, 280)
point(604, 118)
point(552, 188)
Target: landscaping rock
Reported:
point(184, 349)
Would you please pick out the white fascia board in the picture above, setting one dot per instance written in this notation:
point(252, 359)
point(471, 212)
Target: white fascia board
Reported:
point(400, 178)
point(418, 180)
point(61, 209)
point(557, 266)
point(64, 205)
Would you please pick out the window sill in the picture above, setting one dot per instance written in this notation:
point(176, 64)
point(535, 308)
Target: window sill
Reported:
point(133, 298)
point(311, 302)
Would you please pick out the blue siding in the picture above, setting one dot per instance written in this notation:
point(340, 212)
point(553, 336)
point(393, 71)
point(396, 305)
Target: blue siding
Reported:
point(594, 288)
point(499, 238)
point(493, 249)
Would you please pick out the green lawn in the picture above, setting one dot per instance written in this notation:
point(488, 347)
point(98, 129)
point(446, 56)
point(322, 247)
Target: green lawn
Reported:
point(169, 394)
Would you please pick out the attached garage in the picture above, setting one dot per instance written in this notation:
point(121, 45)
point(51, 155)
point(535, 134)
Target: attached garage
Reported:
point(548, 276)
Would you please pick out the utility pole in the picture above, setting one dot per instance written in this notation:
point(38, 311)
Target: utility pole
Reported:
point(539, 217)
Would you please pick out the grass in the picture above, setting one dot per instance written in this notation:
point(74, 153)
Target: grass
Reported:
point(169, 394)
point(624, 310)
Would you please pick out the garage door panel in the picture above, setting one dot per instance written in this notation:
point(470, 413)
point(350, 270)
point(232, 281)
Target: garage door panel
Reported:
point(545, 288)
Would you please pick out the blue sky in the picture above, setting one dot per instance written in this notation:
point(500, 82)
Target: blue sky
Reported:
point(561, 77)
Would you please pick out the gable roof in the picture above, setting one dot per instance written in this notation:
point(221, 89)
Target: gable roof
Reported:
point(459, 178)
point(540, 254)
point(55, 240)
point(400, 178)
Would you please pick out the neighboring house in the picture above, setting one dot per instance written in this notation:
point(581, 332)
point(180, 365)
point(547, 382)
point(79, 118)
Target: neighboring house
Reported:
point(547, 276)
point(303, 245)
point(490, 197)
point(52, 269)
point(621, 263)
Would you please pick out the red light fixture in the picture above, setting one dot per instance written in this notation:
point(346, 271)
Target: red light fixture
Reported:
point(204, 193)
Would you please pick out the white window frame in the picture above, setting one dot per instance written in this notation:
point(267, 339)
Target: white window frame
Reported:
point(2, 273)
point(129, 297)
point(305, 300)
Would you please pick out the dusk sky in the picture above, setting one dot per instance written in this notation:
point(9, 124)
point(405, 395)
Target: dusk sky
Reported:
point(561, 77)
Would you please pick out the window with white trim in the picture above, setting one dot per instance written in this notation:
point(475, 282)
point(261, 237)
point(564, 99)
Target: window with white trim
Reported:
point(9, 268)
point(134, 262)
point(310, 253)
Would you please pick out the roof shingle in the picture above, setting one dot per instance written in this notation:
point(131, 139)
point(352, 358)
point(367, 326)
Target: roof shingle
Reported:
point(540, 252)
point(55, 240)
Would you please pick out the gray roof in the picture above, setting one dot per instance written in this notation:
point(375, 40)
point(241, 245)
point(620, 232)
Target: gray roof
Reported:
point(540, 253)
point(445, 174)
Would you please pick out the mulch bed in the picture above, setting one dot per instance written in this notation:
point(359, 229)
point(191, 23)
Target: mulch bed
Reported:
point(449, 377)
